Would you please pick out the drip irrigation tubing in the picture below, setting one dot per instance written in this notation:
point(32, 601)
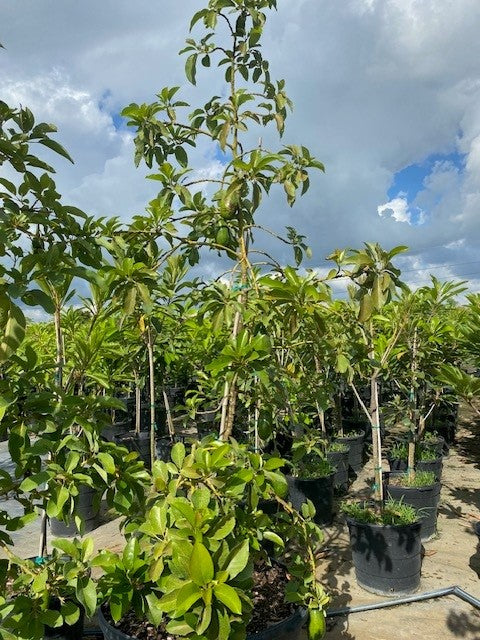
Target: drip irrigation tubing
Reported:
point(428, 595)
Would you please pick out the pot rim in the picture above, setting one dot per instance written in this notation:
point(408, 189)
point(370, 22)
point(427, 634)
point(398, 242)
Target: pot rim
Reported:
point(393, 527)
point(361, 434)
point(300, 612)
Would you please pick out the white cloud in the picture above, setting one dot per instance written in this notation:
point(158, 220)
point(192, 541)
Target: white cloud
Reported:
point(399, 209)
point(377, 84)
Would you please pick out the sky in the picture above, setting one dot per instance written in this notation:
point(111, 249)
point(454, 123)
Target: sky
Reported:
point(386, 95)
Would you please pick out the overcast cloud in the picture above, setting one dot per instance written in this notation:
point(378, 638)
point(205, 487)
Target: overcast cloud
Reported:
point(378, 85)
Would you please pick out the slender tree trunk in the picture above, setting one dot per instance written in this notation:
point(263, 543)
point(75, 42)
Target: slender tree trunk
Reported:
point(42, 543)
point(223, 420)
point(152, 395)
point(255, 424)
point(413, 407)
point(170, 426)
point(377, 442)
point(230, 393)
point(321, 417)
point(138, 405)
point(338, 413)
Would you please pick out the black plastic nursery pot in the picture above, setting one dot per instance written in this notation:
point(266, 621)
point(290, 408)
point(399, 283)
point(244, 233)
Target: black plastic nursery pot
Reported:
point(435, 466)
point(85, 508)
point(117, 428)
point(288, 629)
point(164, 448)
point(355, 452)
point(318, 490)
point(339, 460)
point(398, 464)
point(387, 558)
point(437, 445)
point(137, 442)
point(424, 499)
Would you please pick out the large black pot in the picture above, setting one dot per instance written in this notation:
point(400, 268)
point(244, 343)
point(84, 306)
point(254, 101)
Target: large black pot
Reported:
point(137, 442)
point(435, 466)
point(117, 428)
point(437, 445)
point(288, 629)
point(355, 451)
point(339, 460)
point(398, 464)
point(387, 558)
point(425, 499)
point(86, 508)
point(160, 417)
point(164, 448)
point(318, 490)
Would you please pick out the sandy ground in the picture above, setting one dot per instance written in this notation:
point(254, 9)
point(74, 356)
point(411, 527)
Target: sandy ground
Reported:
point(452, 558)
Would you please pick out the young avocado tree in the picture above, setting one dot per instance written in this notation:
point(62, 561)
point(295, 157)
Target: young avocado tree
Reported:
point(376, 281)
point(427, 341)
point(221, 213)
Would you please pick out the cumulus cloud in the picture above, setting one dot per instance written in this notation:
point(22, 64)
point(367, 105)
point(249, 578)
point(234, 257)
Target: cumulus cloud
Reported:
point(378, 85)
point(399, 209)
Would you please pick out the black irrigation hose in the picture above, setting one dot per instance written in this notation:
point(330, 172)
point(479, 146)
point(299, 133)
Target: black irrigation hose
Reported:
point(439, 593)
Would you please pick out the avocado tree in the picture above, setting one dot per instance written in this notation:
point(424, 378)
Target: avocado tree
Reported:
point(428, 340)
point(220, 213)
point(376, 281)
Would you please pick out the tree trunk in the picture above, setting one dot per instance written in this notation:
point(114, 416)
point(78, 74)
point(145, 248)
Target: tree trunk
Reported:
point(152, 396)
point(338, 414)
point(138, 405)
point(377, 442)
point(170, 426)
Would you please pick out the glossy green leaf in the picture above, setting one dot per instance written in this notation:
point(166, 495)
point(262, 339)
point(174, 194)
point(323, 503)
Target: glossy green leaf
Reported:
point(229, 597)
point(201, 567)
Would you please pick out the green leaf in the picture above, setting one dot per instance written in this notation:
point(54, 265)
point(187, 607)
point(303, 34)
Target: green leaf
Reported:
point(129, 301)
point(12, 327)
point(66, 546)
point(365, 308)
point(70, 612)
point(238, 559)
point(229, 597)
point(191, 68)
point(226, 526)
point(55, 146)
point(108, 463)
point(36, 297)
point(87, 595)
point(181, 156)
point(186, 597)
point(155, 613)
point(178, 454)
point(342, 363)
point(201, 567)
point(273, 537)
point(130, 553)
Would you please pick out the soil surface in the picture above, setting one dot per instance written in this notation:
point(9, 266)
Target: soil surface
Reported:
point(269, 607)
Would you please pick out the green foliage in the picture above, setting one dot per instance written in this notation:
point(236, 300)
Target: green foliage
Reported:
point(394, 512)
point(417, 480)
point(189, 559)
point(308, 457)
point(47, 591)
